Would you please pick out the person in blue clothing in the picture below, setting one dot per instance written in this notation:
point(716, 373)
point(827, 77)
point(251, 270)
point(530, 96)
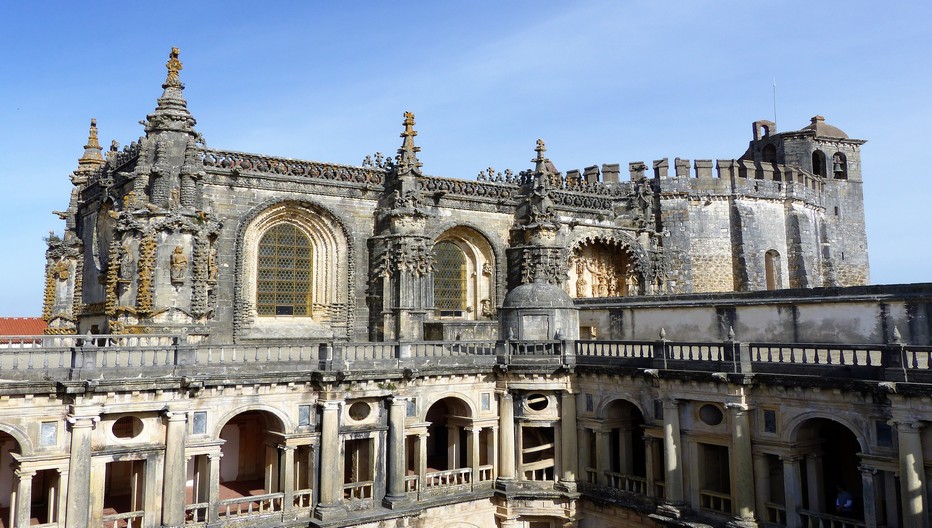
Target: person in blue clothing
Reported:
point(844, 502)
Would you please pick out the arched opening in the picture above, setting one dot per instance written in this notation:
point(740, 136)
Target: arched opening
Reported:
point(627, 469)
point(769, 154)
point(818, 163)
point(598, 269)
point(828, 463)
point(8, 479)
point(840, 166)
point(283, 272)
point(449, 279)
point(464, 273)
point(455, 452)
point(772, 276)
point(251, 476)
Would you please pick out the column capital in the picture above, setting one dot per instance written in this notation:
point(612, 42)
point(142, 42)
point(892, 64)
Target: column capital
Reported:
point(737, 407)
point(175, 416)
point(669, 402)
point(396, 400)
point(82, 421)
point(22, 473)
point(505, 394)
point(285, 447)
point(215, 456)
point(906, 425)
point(791, 459)
point(867, 470)
point(331, 405)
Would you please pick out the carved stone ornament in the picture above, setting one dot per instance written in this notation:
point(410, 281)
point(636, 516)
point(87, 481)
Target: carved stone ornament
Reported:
point(179, 265)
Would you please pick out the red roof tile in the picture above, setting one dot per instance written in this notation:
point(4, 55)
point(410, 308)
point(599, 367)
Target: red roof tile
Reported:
point(22, 325)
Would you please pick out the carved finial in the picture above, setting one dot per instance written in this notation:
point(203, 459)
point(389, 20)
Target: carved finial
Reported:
point(174, 66)
point(897, 338)
point(731, 333)
point(407, 154)
point(663, 333)
point(816, 119)
point(540, 149)
point(92, 157)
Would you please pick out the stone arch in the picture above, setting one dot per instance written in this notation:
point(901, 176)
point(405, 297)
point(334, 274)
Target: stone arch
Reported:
point(283, 423)
point(25, 446)
point(791, 431)
point(481, 268)
point(333, 313)
point(463, 399)
point(607, 402)
point(640, 273)
point(500, 262)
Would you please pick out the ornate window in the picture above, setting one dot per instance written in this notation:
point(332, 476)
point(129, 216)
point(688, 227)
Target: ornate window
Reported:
point(284, 278)
point(449, 277)
point(464, 271)
point(840, 166)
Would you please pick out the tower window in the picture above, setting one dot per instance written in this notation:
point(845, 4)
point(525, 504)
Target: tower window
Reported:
point(284, 272)
point(818, 163)
point(772, 269)
point(449, 277)
point(769, 155)
point(840, 166)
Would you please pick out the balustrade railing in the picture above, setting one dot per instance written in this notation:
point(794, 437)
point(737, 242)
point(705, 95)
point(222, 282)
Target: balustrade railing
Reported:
point(196, 513)
point(251, 505)
point(486, 473)
point(131, 519)
point(775, 514)
point(303, 499)
point(811, 519)
point(449, 477)
point(629, 483)
point(715, 501)
point(411, 483)
point(358, 490)
point(56, 357)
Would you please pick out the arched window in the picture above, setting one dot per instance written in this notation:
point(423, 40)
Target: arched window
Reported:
point(840, 166)
point(283, 285)
point(818, 163)
point(449, 279)
point(772, 269)
point(769, 154)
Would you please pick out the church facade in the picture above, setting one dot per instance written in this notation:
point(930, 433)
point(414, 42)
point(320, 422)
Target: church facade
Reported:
point(241, 339)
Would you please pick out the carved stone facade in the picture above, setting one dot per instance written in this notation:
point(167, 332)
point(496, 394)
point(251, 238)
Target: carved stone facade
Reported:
point(299, 343)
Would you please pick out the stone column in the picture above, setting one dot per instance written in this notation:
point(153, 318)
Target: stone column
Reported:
point(814, 480)
point(762, 485)
point(23, 504)
point(213, 487)
point(742, 463)
point(331, 470)
point(569, 449)
point(582, 440)
point(912, 474)
point(395, 495)
point(173, 481)
point(506, 418)
point(453, 447)
point(422, 461)
point(792, 490)
point(62, 500)
point(603, 446)
point(649, 442)
point(519, 451)
point(672, 451)
point(625, 453)
point(472, 453)
point(870, 496)
point(79, 479)
point(286, 476)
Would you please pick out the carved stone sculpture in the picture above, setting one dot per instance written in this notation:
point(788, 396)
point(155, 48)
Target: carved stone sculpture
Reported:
point(179, 265)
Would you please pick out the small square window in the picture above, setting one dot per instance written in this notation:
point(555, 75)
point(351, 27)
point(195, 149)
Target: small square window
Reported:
point(658, 409)
point(48, 433)
point(486, 401)
point(304, 415)
point(589, 403)
point(412, 407)
point(199, 423)
point(884, 434)
point(770, 421)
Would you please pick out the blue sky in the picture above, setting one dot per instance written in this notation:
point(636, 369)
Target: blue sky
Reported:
point(599, 81)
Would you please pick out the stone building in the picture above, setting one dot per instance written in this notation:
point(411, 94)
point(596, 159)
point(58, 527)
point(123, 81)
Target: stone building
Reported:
point(240, 339)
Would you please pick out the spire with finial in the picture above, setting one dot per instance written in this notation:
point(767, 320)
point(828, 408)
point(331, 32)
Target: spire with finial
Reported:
point(407, 161)
point(540, 162)
point(92, 157)
point(172, 111)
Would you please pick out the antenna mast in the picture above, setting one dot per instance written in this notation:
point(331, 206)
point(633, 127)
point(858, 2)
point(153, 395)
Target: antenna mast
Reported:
point(774, 99)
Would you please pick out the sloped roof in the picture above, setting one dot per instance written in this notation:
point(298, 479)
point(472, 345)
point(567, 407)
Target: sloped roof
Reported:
point(22, 325)
point(823, 129)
